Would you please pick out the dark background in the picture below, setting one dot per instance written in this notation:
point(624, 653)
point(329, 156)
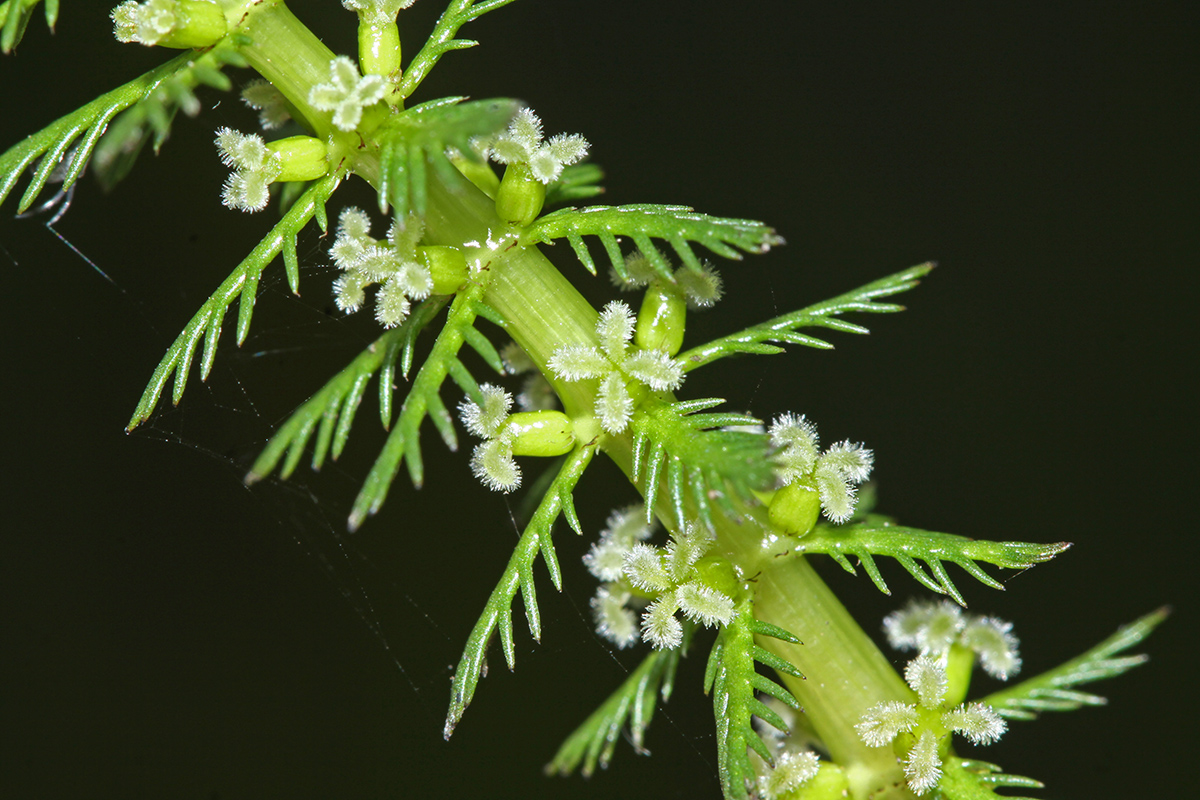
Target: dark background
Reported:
point(169, 633)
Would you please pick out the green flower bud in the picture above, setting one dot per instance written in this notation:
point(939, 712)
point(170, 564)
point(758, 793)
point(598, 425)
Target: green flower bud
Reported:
point(717, 573)
point(378, 48)
point(795, 507)
point(183, 24)
point(661, 321)
point(447, 266)
point(520, 197)
point(302, 158)
point(540, 433)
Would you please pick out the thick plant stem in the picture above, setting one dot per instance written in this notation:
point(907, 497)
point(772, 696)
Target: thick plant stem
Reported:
point(285, 52)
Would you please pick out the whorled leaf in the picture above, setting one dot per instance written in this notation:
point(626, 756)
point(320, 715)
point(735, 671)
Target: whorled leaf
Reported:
point(518, 576)
point(242, 283)
point(757, 339)
point(877, 536)
point(1054, 690)
point(679, 226)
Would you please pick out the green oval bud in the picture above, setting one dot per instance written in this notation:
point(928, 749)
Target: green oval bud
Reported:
point(960, 662)
point(795, 507)
point(716, 572)
point(830, 783)
point(520, 197)
point(303, 158)
point(203, 25)
point(378, 48)
point(447, 266)
point(540, 433)
point(662, 319)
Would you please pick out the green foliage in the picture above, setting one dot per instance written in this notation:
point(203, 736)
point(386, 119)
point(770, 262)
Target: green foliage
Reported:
point(677, 225)
point(518, 576)
point(334, 406)
point(876, 536)
point(154, 113)
point(15, 16)
point(415, 141)
point(633, 702)
point(964, 779)
point(442, 41)
point(51, 144)
point(577, 182)
point(403, 443)
point(1052, 691)
point(673, 443)
point(733, 681)
point(822, 315)
point(242, 283)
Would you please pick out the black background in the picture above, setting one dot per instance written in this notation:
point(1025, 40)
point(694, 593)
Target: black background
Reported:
point(169, 633)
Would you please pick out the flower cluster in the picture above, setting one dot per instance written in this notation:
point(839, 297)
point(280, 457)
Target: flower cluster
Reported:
point(392, 263)
point(674, 576)
point(268, 101)
point(529, 433)
point(927, 724)
point(492, 462)
point(615, 620)
point(347, 93)
point(379, 12)
point(934, 628)
point(171, 23)
point(522, 143)
point(828, 479)
point(255, 167)
point(611, 362)
point(699, 289)
point(792, 770)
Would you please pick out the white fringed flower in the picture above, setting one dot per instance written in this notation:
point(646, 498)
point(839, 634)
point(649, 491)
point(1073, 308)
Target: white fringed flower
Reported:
point(392, 263)
point(627, 527)
point(615, 621)
point(670, 573)
point(145, 23)
point(522, 143)
point(270, 104)
point(347, 93)
point(377, 12)
point(791, 771)
point(933, 628)
point(834, 473)
point(701, 289)
point(613, 362)
point(254, 167)
point(492, 461)
point(883, 722)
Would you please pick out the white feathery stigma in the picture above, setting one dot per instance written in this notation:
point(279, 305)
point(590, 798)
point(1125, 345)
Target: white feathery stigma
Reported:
point(614, 363)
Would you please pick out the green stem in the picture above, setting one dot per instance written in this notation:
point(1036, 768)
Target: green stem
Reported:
point(285, 52)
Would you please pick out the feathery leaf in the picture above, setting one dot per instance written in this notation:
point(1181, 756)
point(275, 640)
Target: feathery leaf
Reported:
point(243, 283)
point(679, 226)
point(518, 576)
point(412, 143)
point(52, 143)
point(15, 16)
point(699, 464)
point(442, 41)
point(733, 681)
point(964, 779)
point(577, 182)
point(783, 330)
point(634, 702)
point(334, 406)
point(878, 537)
point(403, 443)
point(1052, 691)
